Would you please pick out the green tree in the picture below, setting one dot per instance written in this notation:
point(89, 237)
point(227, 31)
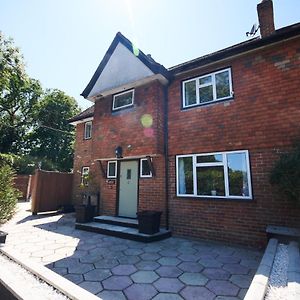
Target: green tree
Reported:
point(53, 137)
point(19, 95)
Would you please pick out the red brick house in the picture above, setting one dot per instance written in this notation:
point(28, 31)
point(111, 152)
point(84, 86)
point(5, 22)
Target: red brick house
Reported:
point(196, 141)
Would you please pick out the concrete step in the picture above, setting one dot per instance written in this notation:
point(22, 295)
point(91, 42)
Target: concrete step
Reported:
point(123, 232)
point(125, 222)
point(294, 271)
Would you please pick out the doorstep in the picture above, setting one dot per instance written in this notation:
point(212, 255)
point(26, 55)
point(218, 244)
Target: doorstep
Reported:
point(124, 232)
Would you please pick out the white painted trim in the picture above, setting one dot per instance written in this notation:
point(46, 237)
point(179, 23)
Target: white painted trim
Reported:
point(112, 162)
point(226, 178)
point(85, 131)
point(214, 86)
point(128, 86)
point(82, 121)
point(141, 169)
point(123, 93)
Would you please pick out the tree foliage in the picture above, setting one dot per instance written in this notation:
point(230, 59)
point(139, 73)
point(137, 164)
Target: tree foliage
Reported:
point(19, 95)
point(286, 174)
point(33, 122)
point(53, 137)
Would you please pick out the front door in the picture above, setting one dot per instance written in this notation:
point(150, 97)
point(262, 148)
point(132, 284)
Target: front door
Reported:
point(128, 189)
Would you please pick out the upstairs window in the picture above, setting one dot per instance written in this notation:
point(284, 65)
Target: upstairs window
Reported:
point(88, 130)
point(85, 176)
point(122, 100)
point(216, 175)
point(112, 169)
point(207, 88)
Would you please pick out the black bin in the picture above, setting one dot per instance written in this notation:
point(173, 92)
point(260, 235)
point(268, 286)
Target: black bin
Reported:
point(149, 221)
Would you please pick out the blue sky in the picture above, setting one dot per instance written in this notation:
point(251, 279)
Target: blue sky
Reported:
point(63, 41)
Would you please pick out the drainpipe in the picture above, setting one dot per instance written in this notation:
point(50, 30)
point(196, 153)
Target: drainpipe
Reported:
point(166, 153)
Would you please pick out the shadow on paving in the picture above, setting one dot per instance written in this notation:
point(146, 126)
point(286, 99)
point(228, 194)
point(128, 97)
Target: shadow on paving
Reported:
point(176, 268)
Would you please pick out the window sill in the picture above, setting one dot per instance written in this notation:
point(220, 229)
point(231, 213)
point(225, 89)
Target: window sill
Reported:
point(86, 139)
point(229, 199)
point(207, 104)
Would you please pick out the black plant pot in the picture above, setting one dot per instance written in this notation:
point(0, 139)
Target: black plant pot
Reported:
point(3, 237)
point(149, 221)
point(85, 213)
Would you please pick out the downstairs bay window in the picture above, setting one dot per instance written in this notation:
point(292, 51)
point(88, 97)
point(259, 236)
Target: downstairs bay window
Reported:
point(216, 175)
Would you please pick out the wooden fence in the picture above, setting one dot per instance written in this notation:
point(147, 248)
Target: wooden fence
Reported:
point(50, 191)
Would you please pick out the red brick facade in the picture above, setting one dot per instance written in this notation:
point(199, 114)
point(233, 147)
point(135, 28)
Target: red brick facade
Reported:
point(263, 117)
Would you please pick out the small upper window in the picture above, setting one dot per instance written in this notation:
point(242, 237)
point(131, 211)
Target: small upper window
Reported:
point(145, 170)
point(112, 169)
point(85, 176)
point(122, 100)
point(88, 130)
point(208, 88)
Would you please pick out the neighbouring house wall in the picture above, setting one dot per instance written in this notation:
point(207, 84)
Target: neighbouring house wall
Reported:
point(124, 128)
point(263, 118)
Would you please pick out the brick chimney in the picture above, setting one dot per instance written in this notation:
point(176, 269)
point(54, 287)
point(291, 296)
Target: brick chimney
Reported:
point(266, 17)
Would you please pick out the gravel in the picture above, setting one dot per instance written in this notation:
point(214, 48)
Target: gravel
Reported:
point(278, 289)
point(33, 287)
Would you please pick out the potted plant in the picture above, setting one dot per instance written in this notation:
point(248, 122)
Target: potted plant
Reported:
point(3, 237)
point(86, 211)
point(149, 221)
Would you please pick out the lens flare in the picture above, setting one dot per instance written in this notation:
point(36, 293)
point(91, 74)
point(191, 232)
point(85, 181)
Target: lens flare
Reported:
point(149, 132)
point(147, 120)
point(135, 50)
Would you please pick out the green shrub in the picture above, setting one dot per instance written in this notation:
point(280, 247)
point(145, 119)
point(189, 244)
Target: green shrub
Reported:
point(8, 193)
point(286, 174)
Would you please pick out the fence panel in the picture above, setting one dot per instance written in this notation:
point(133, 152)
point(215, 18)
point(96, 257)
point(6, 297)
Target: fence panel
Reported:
point(51, 190)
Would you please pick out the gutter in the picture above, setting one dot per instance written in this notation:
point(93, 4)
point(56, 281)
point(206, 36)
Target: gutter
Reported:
point(166, 153)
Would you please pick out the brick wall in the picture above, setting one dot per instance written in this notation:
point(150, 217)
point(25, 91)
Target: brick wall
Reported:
point(124, 128)
point(21, 183)
point(263, 118)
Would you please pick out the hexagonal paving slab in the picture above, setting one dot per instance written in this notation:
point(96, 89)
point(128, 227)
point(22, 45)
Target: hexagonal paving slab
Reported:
point(97, 275)
point(191, 267)
point(169, 261)
point(144, 277)
point(117, 283)
point(140, 291)
point(223, 288)
point(147, 265)
point(167, 296)
point(197, 293)
point(168, 271)
point(193, 279)
point(111, 295)
point(168, 285)
point(216, 273)
point(236, 269)
point(123, 270)
point(93, 287)
point(242, 281)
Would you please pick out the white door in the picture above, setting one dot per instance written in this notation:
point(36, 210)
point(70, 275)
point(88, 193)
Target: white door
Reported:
point(128, 190)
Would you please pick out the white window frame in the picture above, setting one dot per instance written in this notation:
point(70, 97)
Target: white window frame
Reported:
point(89, 123)
point(213, 83)
point(84, 171)
point(212, 164)
point(112, 162)
point(141, 169)
point(119, 94)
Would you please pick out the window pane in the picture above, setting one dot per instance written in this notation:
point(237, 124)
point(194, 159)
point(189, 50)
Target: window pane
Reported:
point(237, 172)
point(210, 181)
point(145, 168)
point(190, 93)
point(206, 94)
point(222, 84)
point(185, 175)
point(123, 100)
point(88, 130)
point(112, 169)
point(205, 80)
point(210, 158)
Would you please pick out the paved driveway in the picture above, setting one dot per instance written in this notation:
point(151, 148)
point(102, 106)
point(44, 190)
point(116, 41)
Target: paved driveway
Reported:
point(114, 268)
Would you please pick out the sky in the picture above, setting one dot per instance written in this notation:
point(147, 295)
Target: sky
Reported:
point(63, 41)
